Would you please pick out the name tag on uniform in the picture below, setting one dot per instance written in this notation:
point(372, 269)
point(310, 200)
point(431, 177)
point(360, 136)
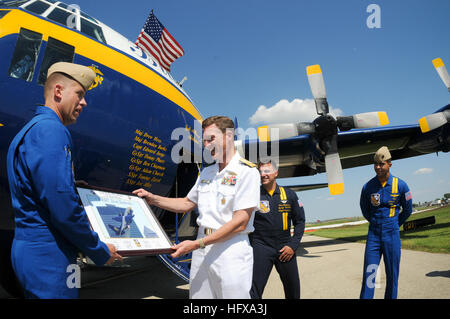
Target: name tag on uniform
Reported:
point(284, 208)
point(205, 181)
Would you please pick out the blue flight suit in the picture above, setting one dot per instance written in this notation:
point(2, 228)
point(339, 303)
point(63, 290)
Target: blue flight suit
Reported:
point(272, 232)
point(51, 227)
point(380, 205)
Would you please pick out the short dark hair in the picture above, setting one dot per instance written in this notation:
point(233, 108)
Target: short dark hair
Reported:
point(222, 122)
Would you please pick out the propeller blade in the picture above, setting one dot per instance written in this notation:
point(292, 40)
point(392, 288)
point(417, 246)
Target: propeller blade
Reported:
point(275, 132)
point(306, 187)
point(317, 84)
point(433, 121)
point(370, 119)
point(362, 120)
point(335, 176)
point(442, 71)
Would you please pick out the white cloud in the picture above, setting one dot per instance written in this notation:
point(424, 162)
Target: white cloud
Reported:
point(422, 171)
point(289, 112)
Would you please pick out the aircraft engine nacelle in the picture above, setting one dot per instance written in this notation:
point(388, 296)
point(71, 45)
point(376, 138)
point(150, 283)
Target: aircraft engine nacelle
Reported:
point(434, 141)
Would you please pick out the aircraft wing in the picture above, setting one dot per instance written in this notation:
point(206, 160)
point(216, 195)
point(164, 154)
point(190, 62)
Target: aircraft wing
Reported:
point(330, 144)
point(302, 156)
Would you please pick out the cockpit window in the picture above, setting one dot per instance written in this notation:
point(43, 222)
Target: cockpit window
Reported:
point(64, 6)
point(84, 15)
point(25, 55)
point(60, 16)
point(56, 51)
point(12, 4)
point(38, 7)
point(92, 30)
point(63, 14)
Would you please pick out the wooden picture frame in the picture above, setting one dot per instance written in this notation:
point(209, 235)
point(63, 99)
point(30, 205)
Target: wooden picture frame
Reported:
point(125, 220)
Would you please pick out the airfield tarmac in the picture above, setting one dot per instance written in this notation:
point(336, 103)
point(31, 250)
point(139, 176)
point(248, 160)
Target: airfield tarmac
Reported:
point(329, 269)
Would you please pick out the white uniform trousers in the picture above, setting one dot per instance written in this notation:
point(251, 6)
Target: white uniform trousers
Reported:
point(222, 270)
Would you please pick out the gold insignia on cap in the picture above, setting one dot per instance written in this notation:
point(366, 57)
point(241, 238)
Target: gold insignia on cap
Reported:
point(80, 73)
point(382, 155)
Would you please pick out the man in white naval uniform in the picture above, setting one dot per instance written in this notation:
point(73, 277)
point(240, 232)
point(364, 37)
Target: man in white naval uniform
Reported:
point(226, 194)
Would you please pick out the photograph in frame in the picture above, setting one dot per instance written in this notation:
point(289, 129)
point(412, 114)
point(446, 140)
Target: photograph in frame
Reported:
point(125, 220)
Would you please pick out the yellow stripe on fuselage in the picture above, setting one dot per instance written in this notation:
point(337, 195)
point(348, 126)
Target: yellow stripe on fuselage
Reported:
point(100, 53)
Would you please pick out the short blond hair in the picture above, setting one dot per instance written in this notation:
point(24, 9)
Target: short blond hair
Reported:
point(53, 79)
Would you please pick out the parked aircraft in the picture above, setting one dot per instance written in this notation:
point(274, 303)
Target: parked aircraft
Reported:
point(124, 139)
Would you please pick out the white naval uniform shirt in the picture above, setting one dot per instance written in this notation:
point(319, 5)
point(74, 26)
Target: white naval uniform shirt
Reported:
point(219, 194)
point(224, 269)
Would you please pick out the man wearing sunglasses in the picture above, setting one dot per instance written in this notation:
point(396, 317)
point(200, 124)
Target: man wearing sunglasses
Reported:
point(272, 241)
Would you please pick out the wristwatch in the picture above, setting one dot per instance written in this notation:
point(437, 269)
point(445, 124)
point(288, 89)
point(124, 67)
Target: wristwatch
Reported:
point(202, 243)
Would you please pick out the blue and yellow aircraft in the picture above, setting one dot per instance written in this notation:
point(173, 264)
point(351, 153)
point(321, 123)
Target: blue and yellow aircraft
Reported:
point(124, 138)
point(125, 219)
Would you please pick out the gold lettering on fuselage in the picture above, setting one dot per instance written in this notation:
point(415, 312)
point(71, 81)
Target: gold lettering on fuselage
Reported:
point(147, 164)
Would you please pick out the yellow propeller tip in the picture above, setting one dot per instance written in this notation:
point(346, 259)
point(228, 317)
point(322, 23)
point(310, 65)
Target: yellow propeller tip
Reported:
point(438, 63)
point(424, 127)
point(263, 133)
point(336, 189)
point(313, 69)
point(384, 119)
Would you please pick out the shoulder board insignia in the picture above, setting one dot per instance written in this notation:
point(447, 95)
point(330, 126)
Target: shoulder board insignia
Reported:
point(248, 163)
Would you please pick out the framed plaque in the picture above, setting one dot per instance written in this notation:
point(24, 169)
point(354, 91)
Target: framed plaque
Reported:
point(125, 220)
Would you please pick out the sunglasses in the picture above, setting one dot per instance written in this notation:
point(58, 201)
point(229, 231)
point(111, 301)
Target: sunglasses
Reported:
point(266, 171)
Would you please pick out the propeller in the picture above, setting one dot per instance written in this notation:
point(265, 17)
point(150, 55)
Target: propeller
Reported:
point(436, 120)
point(325, 129)
point(442, 71)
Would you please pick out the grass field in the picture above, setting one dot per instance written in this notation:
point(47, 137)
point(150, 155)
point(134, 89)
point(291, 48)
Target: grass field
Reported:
point(434, 238)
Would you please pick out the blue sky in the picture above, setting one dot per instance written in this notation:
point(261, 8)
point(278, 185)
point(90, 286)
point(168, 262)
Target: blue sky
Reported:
point(240, 55)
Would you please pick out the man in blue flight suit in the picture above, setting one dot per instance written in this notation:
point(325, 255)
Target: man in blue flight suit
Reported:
point(381, 200)
point(271, 240)
point(50, 225)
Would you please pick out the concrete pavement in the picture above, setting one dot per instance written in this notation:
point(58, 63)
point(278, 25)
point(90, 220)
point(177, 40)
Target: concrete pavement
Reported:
point(330, 269)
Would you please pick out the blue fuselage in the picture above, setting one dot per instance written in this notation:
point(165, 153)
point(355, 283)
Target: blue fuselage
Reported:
point(122, 139)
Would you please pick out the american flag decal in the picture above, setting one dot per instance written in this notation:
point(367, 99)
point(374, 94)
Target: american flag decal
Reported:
point(159, 43)
point(408, 196)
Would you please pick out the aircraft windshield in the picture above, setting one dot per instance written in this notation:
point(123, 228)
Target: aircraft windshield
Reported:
point(67, 15)
point(12, 3)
